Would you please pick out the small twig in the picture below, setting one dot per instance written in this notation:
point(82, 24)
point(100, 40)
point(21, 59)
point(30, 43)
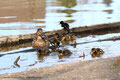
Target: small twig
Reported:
point(16, 61)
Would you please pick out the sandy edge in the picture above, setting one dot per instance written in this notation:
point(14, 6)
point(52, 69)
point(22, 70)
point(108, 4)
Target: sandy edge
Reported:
point(102, 69)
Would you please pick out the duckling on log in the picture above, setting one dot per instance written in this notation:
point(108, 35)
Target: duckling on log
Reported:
point(65, 26)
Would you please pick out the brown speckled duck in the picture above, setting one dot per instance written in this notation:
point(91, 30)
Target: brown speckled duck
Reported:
point(40, 39)
point(96, 52)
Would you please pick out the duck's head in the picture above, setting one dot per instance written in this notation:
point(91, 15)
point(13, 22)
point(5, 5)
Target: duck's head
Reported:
point(57, 35)
point(73, 36)
point(93, 50)
point(61, 22)
point(60, 54)
point(96, 52)
point(39, 31)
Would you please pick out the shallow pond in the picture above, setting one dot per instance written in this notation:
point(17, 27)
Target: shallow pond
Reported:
point(25, 16)
point(47, 14)
point(30, 60)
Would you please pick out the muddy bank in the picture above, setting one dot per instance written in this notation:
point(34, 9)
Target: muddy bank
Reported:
point(85, 30)
point(103, 69)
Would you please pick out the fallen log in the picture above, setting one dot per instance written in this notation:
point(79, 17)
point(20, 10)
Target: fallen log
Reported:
point(50, 47)
point(83, 30)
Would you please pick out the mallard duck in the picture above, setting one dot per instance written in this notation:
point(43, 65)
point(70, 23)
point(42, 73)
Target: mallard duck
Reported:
point(64, 53)
point(40, 39)
point(65, 25)
point(96, 52)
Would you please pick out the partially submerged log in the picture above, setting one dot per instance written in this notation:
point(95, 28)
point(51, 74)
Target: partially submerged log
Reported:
point(18, 39)
point(15, 39)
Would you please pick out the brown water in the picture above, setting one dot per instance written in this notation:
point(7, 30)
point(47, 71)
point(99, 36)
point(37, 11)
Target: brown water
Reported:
point(30, 60)
point(20, 17)
point(25, 16)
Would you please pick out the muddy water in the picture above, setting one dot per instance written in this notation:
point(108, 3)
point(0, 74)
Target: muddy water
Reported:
point(30, 60)
point(25, 16)
point(47, 14)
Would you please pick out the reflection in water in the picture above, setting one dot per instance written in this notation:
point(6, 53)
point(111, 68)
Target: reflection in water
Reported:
point(22, 17)
point(70, 21)
point(82, 2)
point(69, 3)
point(15, 47)
point(107, 2)
point(41, 56)
point(83, 12)
point(49, 12)
point(108, 11)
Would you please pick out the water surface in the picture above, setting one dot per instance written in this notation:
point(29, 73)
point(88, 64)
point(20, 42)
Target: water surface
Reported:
point(21, 17)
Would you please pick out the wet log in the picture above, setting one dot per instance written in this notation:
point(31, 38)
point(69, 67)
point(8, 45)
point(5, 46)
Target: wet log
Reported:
point(19, 39)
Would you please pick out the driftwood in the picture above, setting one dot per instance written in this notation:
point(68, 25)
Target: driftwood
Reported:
point(85, 30)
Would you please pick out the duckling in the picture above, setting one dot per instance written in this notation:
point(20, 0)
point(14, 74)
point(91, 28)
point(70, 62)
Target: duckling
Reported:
point(55, 41)
point(64, 53)
point(67, 38)
point(72, 36)
point(58, 36)
point(96, 52)
point(40, 40)
point(65, 25)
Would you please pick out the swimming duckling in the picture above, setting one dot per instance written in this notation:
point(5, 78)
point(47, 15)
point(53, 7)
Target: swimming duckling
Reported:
point(65, 25)
point(96, 52)
point(64, 53)
point(67, 38)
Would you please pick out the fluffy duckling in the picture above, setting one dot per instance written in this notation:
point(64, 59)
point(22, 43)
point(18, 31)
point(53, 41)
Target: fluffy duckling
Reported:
point(58, 36)
point(65, 26)
point(64, 53)
point(96, 52)
point(55, 41)
point(40, 40)
point(67, 38)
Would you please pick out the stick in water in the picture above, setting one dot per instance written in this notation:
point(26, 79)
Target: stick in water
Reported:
point(16, 61)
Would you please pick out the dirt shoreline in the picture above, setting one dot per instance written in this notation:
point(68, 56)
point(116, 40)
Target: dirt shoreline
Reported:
point(102, 69)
